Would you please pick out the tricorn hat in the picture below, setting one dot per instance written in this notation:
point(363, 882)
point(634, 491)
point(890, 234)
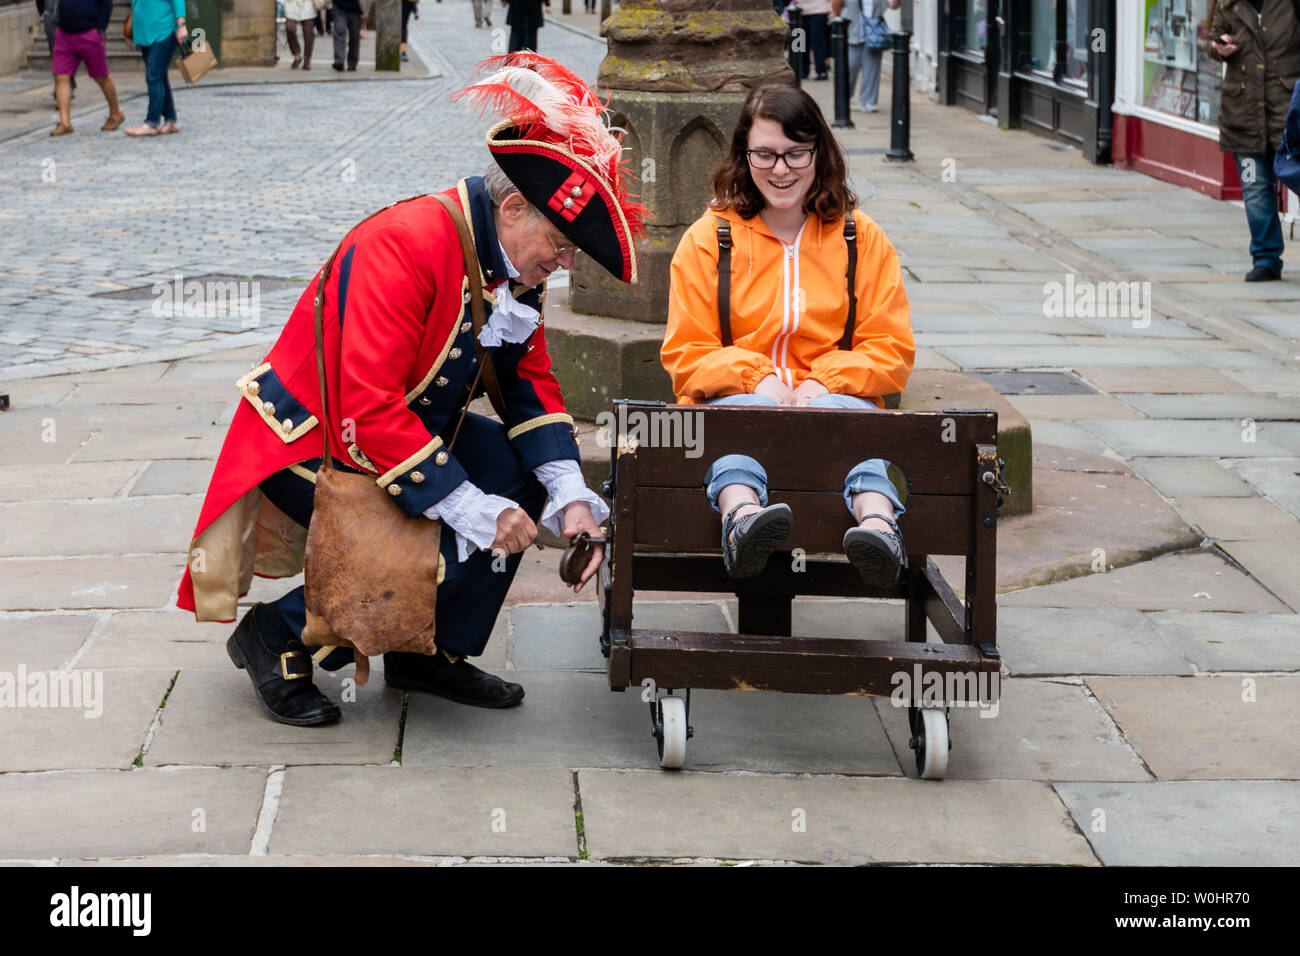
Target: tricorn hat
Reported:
point(556, 148)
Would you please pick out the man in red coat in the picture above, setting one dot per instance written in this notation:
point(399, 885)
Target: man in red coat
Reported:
point(400, 356)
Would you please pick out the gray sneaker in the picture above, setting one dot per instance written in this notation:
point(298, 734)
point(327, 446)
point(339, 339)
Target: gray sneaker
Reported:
point(879, 556)
point(756, 536)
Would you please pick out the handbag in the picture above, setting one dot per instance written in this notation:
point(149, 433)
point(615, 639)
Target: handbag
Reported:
point(875, 33)
point(371, 571)
point(195, 61)
point(1286, 161)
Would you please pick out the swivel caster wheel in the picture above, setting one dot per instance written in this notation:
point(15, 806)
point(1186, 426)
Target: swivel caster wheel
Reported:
point(670, 731)
point(930, 741)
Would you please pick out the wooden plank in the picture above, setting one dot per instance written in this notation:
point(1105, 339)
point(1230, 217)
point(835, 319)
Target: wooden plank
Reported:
point(680, 520)
point(981, 565)
point(623, 529)
point(694, 572)
point(931, 448)
point(942, 607)
point(803, 665)
point(914, 613)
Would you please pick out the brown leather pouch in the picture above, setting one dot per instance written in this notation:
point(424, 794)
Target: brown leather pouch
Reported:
point(371, 570)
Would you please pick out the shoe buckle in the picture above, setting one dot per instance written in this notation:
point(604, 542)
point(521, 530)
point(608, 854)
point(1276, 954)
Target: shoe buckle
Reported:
point(284, 666)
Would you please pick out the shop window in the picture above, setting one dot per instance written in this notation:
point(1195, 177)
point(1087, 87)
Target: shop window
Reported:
point(1177, 76)
point(970, 27)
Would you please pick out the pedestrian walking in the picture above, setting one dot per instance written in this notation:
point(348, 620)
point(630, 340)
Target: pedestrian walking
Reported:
point(1286, 164)
point(864, 59)
point(49, 12)
point(157, 28)
point(816, 17)
point(347, 33)
point(300, 15)
point(408, 7)
point(524, 19)
point(1259, 43)
point(414, 354)
point(79, 38)
point(482, 13)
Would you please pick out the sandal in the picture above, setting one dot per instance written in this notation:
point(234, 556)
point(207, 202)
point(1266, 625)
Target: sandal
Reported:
point(879, 556)
point(745, 552)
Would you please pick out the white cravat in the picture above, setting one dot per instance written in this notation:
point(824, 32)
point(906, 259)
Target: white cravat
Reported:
point(467, 510)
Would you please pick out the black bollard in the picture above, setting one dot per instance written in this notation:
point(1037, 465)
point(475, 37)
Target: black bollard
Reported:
point(798, 43)
point(901, 120)
point(840, 52)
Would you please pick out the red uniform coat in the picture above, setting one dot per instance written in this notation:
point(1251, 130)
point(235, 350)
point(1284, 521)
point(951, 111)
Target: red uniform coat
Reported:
point(399, 355)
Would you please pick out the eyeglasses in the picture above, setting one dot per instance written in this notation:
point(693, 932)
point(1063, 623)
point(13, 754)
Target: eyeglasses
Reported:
point(559, 250)
point(794, 159)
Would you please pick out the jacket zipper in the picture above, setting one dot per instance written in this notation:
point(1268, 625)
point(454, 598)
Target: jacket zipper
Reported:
point(788, 328)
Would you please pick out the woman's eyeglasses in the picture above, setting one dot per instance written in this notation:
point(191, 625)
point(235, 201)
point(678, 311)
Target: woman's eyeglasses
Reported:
point(794, 159)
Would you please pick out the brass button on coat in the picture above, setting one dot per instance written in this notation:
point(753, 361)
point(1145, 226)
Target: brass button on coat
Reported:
point(441, 458)
point(394, 490)
point(417, 476)
point(254, 388)
point(287, 424)
point(441, 380)
point(425, 400)
point(464, 326)
point(455, 353)
point(268, 408)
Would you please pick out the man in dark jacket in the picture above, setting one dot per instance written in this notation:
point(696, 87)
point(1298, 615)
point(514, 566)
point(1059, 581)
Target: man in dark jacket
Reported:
point(1259, 41)
point(347, 32)
point(524, 20)
point(79, 38)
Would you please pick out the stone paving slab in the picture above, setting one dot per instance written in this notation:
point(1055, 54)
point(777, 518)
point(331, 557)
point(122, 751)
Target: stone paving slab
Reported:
point(1241, 519)
point(1267, 380)
point(1202, 477)
point(123, 443)
point(1054, 641)
point(1066, 434)
point(1273, 562)
point(76, 583)
point(1040, 730)
point(1280, 480)
point(61, 482)
point(1200, 728)
point(574, 719)
point(45, 642)
point(1053, 458)
point(1233, 642)
point(1287, 326)
point(1192, 439)
point(102, 722)
point(181, 477)
point(1071, 407)
point(560, 637)
point(115, 813)
point(213, 717)
point(1259, 407)
point(35, 528)
point(1148, 379)
point(1189, 823)
point(170, 639)
point(662, 815)
point(1064, 356)
point(480, 811)
point(1154, 328)
point(1169, 583)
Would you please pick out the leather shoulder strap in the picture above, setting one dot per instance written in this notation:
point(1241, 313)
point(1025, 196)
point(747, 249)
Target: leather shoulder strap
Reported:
point(485, 367)
point(851, 239)
point(724, 280)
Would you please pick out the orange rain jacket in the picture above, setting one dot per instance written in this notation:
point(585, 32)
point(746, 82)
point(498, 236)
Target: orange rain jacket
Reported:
point(788, 309)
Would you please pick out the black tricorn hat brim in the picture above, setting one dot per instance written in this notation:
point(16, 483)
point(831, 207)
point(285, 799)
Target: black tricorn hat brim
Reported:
point(569, 192)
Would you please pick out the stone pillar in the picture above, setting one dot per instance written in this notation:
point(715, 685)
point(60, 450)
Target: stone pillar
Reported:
point(677, 72)
point(246, 35)
point(388, 34)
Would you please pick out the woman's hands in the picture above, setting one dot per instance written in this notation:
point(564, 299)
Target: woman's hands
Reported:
point(775, 389)
point(783, 394)
point(181, 31)
point(1224, 46)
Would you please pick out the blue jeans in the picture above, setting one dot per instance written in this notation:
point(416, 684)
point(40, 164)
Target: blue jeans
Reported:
point(157, 58)
point(1260, 197)
point(869, 475)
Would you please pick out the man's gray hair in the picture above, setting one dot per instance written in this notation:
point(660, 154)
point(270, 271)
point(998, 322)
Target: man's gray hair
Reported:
point(498, 184)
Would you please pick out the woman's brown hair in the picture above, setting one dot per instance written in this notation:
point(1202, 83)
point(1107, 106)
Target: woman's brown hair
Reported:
point(801, 120)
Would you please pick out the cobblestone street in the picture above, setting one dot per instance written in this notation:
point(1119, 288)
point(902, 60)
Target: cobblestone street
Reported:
point(1159, 687)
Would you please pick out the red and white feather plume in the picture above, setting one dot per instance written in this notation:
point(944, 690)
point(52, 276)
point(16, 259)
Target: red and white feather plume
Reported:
point(547, 101)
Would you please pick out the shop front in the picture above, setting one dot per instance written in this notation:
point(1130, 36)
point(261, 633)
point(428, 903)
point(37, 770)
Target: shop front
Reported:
point(1166, 97)
point(1044, 65)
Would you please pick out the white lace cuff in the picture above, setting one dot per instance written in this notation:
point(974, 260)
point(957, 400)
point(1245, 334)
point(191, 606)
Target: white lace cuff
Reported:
point(564, 485)
point(472, 515)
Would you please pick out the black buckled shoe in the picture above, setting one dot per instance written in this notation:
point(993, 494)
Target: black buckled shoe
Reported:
point(450, 676)
point(745, 552)
point(879, 556)
point(282, 682)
